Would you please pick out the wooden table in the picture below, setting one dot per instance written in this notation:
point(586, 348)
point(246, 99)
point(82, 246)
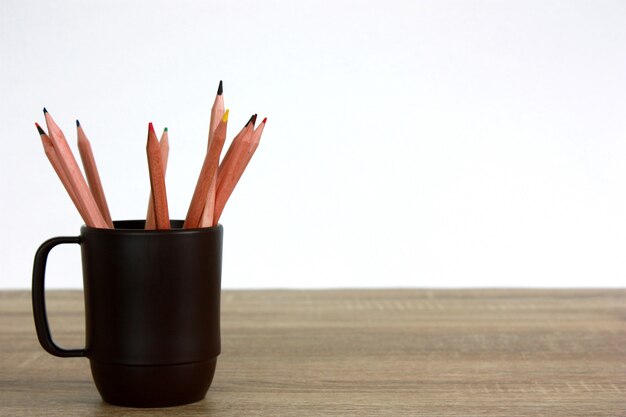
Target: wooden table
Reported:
point(359, 353)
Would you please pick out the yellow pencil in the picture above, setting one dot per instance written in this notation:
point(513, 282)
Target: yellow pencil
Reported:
point(209, 168)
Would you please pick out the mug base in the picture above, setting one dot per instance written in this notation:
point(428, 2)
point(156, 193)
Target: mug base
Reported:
point(153, 386)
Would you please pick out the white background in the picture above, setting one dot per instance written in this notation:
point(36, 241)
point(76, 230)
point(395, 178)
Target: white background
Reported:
point(431, 143)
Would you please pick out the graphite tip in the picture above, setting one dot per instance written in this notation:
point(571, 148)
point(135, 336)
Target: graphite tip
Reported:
point(220, 90)
point(39, 129)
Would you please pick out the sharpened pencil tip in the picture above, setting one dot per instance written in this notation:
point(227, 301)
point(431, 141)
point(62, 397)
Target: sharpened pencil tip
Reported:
point(220, 90)
point(165, 130)
point(77, 123)
point(39, 129)
point(264, 120)
point(225, 117)
point(45, 111)
point(252, 120)
point(151, 128)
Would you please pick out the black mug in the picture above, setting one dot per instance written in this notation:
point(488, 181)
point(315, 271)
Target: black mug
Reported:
point(152, 310)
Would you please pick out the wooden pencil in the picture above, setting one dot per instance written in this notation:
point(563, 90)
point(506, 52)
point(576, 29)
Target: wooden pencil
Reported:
point(207, 173)
point(157, 180)
point(56, 165)
point(164, 144)
point(227, 176)
point(234, 145)
point(207, 219)
point(93, 217)
point(255, 139)
point(217, 112)
point(91, 171)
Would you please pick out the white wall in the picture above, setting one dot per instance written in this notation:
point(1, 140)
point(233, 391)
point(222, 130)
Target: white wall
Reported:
point(431, 143)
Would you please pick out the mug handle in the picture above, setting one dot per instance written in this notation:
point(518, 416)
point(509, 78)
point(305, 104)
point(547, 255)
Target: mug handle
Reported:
point(39, 302)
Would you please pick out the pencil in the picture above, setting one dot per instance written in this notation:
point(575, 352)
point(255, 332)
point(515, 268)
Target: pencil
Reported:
point(255, 139)
point(164, 144)
point(207, 173)
point(227, 176)
point(56, 165)
point(208, 214)
point(68, 163)
point(157, 180)
point(217, 112)
point(236, 142)
point(91, 171)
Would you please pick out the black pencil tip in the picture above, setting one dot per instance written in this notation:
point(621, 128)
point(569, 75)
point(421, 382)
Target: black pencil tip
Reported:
point(250, 120)
point(45, 111)
point(40, 130)
point(253, 119)
point(77, 123)
point(220, 90)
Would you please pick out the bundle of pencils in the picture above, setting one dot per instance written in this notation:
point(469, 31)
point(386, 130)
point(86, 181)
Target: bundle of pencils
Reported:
point(216, 181)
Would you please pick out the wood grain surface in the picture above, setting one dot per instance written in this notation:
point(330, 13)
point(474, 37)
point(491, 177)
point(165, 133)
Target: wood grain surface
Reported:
point(359, 353)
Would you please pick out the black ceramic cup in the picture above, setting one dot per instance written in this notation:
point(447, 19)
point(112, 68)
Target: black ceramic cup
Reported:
point(152, 310)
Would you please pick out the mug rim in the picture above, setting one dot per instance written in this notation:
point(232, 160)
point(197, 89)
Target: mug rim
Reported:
point(176, 228)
